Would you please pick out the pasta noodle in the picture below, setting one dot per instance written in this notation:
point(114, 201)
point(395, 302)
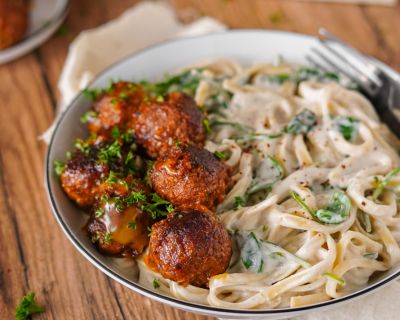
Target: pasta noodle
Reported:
point(314, 210)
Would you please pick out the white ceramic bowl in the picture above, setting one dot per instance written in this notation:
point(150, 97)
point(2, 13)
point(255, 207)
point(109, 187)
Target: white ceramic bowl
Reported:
point(245, 46)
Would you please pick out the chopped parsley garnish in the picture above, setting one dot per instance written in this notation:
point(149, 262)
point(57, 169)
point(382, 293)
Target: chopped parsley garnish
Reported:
point(108, 238)
point(206, 125)
point(114, 101)
point(156, 283)
point(27, 307)
point(115, 133)
point(82, 146)
point(123, 96)
point(187, 82)
point(112, 177)
point(135, 197)
point(92, 94)
point(157, 207)
point(220, 155)
point(239, 202)
point(58, 167)
point(110, 153)
point(132, 225)
point(160, 99)
point(88, 115)
point(99, 212)
point(110, 86)
point(303, 122)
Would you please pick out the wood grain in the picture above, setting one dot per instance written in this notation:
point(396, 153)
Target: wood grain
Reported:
point(35, 255)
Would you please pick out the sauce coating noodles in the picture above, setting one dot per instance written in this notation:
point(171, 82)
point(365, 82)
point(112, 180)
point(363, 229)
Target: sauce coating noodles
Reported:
point(314, 210)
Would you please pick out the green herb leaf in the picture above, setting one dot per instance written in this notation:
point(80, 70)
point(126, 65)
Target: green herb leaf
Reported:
point(347, 126)
point(110, 153)
point(296, 197)
point(206, 125)
point(303, 122)
point(186, 81)
point(239, 202)
point(92, 94)
point(156, 283)
point(88, 116)
point(366, 221)
point(251, 255)
point(132, 225)
point(27, 307)
point(135, 197)
point(99, 212)
point(337, 211)
point(58, 167)
point(112, 177)
point(115, 133)
point(277, 78)
point(335, 278)
point(157, 207)
point(108, 238)
point(220, 155)
point(267, 184)
point(123, 96)
point(82, 146)
point(382, 184)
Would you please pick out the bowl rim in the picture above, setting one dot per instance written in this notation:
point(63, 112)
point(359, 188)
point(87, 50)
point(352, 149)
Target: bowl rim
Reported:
point(172, 301)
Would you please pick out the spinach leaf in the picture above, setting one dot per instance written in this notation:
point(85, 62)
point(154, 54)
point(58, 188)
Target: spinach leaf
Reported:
point(275, 173)
point(303, 122)
point(347, 126)
point(251, 255)
point(337, 210)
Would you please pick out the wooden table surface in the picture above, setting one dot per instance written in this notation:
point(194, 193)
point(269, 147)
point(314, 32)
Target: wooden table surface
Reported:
point(34, 253)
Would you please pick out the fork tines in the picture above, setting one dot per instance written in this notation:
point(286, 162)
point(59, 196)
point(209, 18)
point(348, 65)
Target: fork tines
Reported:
point(334, 55)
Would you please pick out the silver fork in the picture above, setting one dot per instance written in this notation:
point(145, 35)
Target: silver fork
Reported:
point(381, 88)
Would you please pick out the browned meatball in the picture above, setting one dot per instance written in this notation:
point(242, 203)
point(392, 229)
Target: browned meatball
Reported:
point(115, 108)
point(190, 177)
point(117, 225)
point(13, 21)
point(189, 247)
point(82, 177)
point(123, 233)
point(158, 125)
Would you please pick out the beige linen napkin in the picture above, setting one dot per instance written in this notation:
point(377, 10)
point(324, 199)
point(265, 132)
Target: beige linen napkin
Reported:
point(89, 54)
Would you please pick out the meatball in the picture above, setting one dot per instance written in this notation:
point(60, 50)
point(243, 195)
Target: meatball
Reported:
point(190, 177)
point(161, 123)
point(115, 108)
point(91, 164)
point(189, 247)
point(13, 21)
point(82, 177)
point(119, 231)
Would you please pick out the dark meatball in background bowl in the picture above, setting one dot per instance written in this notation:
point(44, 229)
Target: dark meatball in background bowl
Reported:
point(189, 247)
point(14, 19)
point(190, 177)
point(115, 107)
point(162, 122)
